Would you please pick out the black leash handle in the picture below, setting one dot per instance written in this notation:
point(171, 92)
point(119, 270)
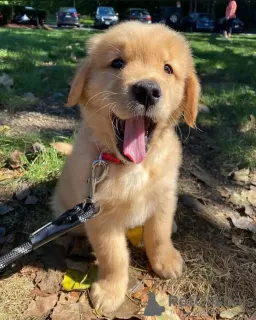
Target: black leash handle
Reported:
point(63, 224)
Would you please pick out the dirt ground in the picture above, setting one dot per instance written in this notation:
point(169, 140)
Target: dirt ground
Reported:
point(216, 223)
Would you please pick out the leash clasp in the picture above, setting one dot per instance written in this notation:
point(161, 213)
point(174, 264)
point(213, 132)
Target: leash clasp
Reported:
point(99, 173)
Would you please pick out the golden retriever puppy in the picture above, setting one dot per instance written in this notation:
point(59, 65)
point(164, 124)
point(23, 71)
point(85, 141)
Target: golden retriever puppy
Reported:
point(132, 87)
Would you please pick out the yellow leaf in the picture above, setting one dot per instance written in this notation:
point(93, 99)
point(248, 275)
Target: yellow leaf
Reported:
point(4, 128)
point(77, 280)
point(135, 235)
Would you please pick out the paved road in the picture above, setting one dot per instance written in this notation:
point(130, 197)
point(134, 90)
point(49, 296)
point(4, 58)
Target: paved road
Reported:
point(54, 26)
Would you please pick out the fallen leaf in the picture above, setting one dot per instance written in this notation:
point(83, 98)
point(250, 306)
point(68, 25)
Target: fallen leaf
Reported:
point(249, 211)
point(63, 148)
point(74, 311)
point(68, 298)
point(224, 192)
point(40, 306)
point(149, 283)
point(4, 208)
point(135, 236)
point(76, 280)
point(205, 177)
point(36, 291)
point(239, 199)
point(29, 269)
point(125, 311)
point(6, 81)
point(244, 223)
point(31, 200)
point(252, 197)
point(16, 159)
point(231, 313)
point(38, 147)
point(4, 128)
point(141, 295)
point(241, 175)
point(51, 281)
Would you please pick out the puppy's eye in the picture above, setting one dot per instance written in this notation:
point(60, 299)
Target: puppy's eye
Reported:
point(168, 69)
point(118, 64)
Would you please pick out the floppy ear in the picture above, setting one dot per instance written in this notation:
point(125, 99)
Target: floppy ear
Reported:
point(78, 83)
point(192, 94)
point(82, 73)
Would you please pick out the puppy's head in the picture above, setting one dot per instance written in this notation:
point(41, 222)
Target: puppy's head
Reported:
point(136, 80)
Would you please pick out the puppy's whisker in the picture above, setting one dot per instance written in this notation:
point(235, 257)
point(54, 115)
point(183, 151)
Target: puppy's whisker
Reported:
point(96, 95)
point(98, 110)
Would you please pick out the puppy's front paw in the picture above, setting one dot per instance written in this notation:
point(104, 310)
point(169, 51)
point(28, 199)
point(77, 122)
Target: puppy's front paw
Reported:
point(167, 262)
point(107, 296)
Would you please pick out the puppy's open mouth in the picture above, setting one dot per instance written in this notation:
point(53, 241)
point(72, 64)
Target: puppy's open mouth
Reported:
point(133, 136)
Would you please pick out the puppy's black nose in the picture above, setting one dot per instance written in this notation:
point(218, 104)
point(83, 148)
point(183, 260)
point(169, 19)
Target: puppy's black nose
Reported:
point(146, 92)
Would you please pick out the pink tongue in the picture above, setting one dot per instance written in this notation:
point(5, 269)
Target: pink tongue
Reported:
point(134, 139)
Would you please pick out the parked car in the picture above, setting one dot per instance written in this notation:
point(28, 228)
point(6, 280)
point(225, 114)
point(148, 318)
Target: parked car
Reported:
point(238, 26)
point(28, 15)
point(137, 14)
point(170, 16)
point(68, 17)
point(198, 21)
point(105, 16)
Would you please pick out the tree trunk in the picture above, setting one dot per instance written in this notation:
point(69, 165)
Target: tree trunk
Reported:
point(195, 8)
point(190, 6)
point(36, 8)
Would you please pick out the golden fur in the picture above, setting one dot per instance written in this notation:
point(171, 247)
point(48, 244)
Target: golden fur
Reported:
point(132, 194)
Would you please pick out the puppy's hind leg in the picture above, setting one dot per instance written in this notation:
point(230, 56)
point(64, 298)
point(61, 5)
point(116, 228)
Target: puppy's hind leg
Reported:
point(109, 244)
point(165, 260)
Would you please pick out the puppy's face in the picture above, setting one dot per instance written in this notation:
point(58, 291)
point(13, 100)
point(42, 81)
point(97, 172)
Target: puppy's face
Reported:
point(136, 80)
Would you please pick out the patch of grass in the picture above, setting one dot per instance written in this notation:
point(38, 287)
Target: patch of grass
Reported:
point(40, 61)
point(86, 20)
point(228, 75)
point(38, 168)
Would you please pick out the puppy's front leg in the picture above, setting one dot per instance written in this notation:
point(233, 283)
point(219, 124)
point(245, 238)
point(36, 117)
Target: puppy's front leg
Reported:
point(109, 244)
point(165, 260)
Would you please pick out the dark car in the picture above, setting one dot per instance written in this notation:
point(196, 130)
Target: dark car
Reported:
point(198, 21)
point(68, 17)
point(167, 15)
point(137, 14)
point(238, 26)
point(28, 15)
point(105, 16)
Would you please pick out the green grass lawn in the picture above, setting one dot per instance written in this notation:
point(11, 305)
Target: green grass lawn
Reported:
point(43, 62)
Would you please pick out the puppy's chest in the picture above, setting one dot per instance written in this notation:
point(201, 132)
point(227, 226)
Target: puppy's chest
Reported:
point(130, 196)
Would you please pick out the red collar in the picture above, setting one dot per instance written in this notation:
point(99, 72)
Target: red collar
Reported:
point(109, 157)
